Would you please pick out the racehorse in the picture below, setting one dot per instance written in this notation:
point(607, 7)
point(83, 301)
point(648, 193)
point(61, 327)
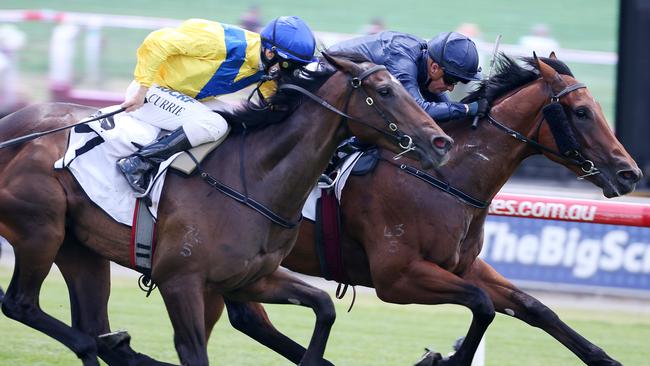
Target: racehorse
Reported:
point(417, 244)
point(207, 244)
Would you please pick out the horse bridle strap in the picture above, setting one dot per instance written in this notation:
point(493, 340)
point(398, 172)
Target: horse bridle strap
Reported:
point(404, 141)
point(440, 184)
point(586, 165)
point(556, 98)
point(243, 198)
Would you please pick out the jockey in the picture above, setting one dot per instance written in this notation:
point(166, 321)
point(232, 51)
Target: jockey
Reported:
point(426, 69)
point(178, 68)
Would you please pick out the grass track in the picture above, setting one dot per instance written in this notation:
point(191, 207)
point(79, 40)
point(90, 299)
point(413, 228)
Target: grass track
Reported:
point(374, 333)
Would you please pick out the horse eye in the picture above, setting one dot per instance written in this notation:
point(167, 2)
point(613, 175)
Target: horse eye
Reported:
point(384, 92)
point(581, 113)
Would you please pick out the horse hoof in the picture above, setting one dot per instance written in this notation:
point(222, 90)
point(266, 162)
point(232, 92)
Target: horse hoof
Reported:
point(429, 358)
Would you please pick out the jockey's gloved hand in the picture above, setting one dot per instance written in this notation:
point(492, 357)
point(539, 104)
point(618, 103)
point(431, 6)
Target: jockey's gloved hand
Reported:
point(479, 108)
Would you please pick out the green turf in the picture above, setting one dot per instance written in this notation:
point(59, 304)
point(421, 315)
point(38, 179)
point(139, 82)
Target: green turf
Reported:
point(374, 333)
point(581, 24)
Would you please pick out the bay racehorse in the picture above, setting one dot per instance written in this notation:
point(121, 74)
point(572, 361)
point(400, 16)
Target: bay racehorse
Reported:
point(416, 244)
point(208, 245)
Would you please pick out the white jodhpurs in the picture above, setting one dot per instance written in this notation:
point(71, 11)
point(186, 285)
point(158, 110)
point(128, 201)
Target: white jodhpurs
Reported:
point(169, 110)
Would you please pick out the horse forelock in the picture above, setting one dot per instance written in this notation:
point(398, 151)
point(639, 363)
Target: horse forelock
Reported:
point(510, 75)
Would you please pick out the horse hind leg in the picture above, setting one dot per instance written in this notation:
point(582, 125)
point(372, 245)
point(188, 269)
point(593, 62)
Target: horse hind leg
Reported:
point(88, 278)
point(282, 288)
point(21, 302)
point(511, 301)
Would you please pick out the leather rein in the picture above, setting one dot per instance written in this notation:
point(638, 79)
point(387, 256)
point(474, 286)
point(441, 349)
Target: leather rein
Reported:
point(573, 156)
point(404, 141)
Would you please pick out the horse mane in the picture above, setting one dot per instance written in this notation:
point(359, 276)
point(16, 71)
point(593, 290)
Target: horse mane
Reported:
point(509, 75)
point(283, 103)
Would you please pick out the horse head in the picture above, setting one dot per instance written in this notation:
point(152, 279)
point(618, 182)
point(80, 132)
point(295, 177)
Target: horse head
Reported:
point(383, 113)
point(577, 128)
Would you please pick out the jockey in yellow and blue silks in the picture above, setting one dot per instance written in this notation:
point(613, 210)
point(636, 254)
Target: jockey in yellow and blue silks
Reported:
point(179, 68)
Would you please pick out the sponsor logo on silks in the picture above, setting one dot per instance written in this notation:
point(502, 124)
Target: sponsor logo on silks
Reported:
point(165, 104)
point(178, 95)
point(546, 210)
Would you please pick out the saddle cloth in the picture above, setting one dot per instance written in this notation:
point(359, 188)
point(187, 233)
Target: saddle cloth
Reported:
point(342, 175)
point(93, 150)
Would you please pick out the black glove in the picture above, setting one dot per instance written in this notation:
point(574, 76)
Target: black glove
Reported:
point(479, 108)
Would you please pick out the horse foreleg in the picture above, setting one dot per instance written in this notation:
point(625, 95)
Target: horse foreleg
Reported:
point(88, 278)
point(213, 308)
point(424, 282)
point(251, 319)
point(282, 288)
point(510, 300)
point(183, 296)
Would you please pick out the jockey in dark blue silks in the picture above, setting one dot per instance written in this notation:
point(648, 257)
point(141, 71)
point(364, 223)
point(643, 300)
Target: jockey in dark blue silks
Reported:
point(426, 69)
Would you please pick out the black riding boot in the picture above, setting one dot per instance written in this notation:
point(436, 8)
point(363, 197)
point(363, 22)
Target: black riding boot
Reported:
point(138, 167)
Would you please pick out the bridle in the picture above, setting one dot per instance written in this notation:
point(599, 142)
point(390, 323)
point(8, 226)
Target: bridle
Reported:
point(404, 141)
point(558, 124)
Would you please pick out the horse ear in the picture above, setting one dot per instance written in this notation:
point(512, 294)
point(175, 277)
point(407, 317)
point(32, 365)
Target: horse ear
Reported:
point(552, 56)
point(549, 74)
point(342, 64)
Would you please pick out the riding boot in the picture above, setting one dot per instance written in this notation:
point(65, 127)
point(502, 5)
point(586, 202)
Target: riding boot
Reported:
point(138, 167)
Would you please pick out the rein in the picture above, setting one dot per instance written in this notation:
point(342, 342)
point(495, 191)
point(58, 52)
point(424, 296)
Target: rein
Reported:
point(571, 156)
point(439, 184)
point(244, 199)
point(404, 141)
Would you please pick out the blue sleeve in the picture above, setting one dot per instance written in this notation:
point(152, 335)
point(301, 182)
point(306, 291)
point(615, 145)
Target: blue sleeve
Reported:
point(405, 70)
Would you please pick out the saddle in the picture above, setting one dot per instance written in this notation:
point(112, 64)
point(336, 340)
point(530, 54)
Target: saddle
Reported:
point(184, 163)
point(364, 165)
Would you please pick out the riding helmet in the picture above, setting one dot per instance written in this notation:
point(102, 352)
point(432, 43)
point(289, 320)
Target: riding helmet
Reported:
point(457, 55)
point(290, 38)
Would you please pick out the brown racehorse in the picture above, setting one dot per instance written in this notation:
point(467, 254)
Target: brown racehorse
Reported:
point(417, 244)
point(208, 245)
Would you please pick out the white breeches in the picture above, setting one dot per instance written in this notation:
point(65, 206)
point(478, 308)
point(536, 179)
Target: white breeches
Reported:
point(169, 110)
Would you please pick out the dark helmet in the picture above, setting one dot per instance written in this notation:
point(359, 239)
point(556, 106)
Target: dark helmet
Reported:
point(457, 55)
point(290, 38)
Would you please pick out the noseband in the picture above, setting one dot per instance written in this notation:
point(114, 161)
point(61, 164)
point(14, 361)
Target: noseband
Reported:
point(404, 141)
point(558, 123)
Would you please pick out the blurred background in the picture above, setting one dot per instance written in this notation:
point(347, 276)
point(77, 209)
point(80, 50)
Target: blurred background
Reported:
point(83, 51)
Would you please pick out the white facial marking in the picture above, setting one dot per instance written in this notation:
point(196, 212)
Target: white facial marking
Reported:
point(510, 312)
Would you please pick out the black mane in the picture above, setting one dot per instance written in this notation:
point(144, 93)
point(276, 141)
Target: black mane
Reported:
point(284, 102)
point(509, 75)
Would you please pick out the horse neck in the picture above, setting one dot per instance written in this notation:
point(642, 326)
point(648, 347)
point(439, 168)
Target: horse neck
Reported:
point(292, 154)
point(484, 159)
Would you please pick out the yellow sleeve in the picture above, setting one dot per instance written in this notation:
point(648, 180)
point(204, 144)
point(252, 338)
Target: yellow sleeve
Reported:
point(189, 39)
point(268, 88)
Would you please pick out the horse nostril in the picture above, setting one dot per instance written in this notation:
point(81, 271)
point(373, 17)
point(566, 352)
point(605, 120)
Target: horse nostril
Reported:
point(629, 175)
point(442, 143)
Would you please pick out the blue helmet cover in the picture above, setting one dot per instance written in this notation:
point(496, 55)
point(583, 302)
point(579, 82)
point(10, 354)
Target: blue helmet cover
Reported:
point(290, 38)
point(457, 55)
